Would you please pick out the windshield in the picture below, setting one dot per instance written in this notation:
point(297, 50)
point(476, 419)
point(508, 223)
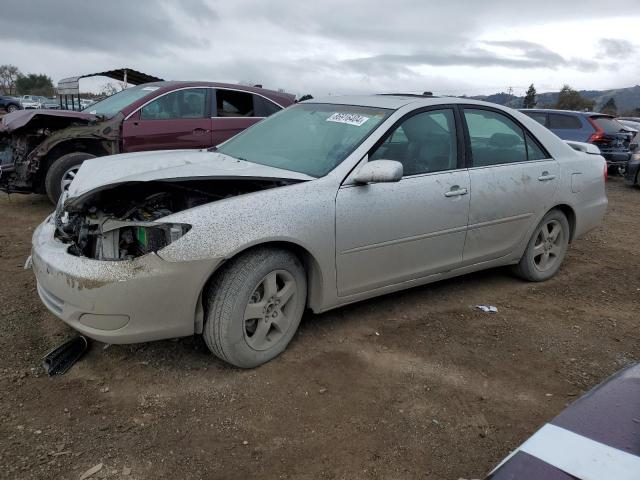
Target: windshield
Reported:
point(306, 138)
point(116, 102)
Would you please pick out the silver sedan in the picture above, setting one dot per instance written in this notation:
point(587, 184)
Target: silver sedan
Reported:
point(326, 203)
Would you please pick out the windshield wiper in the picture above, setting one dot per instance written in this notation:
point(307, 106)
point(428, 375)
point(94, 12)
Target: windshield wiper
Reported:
point(212, 149)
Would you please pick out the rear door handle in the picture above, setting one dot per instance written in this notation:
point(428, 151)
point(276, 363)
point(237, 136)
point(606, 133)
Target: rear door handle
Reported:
point(545, 177)
point(200, 131)
point(456, 192)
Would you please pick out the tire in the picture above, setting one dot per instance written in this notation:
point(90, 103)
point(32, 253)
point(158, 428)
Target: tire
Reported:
point(255, 284)
point(549, 241)
point(12, 108)
point(60, 171)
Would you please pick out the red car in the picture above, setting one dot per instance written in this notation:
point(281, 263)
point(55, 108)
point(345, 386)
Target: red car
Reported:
point(41, 150)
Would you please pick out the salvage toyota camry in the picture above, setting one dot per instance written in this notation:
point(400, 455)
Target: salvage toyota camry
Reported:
point(323, 204)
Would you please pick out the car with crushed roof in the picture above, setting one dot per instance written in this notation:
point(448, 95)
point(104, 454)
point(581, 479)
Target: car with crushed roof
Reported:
point(323, 204)
point(41, 150)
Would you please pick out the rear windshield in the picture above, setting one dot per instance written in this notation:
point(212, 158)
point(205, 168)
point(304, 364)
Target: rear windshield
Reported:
point(608, 124)
point(110, 106)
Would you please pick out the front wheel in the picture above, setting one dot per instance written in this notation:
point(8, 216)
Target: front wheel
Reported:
point(62, 172)
point(254, 306)
point(546, 249)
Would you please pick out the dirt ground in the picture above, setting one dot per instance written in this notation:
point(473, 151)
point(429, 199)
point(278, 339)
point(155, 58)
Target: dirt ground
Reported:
point(415, 385)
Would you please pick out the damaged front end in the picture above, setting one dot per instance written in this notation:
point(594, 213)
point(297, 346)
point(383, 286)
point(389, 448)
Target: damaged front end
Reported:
point(31, 140)
point(124, 222)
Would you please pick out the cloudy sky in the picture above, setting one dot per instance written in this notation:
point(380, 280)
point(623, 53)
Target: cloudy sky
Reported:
point(333, 47)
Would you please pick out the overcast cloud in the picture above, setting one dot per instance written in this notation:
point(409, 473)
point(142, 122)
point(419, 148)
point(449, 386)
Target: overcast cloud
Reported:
point(331, 46)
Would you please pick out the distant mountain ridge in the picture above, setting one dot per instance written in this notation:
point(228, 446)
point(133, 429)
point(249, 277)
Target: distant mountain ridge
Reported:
point(625, 98)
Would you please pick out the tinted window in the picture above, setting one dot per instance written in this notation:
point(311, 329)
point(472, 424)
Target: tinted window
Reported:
point(264, 107)
point(539, 117)
point(495, 138)
point(534, 152)
point(564, 122)
point(308, 138)
point(608, 124)
point(423, 143)
point(231, 103)
point(188, 103)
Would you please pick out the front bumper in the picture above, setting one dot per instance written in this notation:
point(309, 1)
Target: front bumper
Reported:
point(132, 301)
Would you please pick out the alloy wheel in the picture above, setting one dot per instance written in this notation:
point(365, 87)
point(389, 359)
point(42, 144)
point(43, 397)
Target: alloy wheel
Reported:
point(270, 310)
point(68, 177)
point(549, 245)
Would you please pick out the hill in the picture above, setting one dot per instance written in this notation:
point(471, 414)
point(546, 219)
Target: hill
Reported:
point(625, 98)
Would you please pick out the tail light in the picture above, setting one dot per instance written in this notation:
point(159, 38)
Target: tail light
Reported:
point(606, 172)
point(599, 136)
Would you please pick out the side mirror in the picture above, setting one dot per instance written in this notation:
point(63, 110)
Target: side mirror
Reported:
point(379, 171)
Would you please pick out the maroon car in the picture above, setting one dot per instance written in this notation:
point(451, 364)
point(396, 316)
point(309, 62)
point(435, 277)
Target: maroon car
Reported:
point(41, 150)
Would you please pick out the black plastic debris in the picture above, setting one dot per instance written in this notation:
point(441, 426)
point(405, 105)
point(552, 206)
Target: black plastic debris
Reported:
point(59, 360)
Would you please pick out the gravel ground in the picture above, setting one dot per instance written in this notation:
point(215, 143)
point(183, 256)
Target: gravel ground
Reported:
point(412, 385)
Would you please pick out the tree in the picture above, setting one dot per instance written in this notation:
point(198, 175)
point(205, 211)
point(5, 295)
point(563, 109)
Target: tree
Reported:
point(570, 99)
point(610, 107)
point(530, 98)
point(111, 88)
point(34, 84)
point(305, 97)
point(8, 76)
point(633, 112)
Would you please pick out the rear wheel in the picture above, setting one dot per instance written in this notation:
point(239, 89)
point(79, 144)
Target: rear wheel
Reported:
point(62, 172)
point(254, 306)
point(12, 108)
point(546, 249)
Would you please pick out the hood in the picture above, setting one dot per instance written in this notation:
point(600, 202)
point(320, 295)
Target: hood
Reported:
point(18, 119)
point(596, 437)
point(168, 165)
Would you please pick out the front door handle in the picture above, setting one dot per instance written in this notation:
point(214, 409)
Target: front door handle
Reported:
point(456, 191)
point(200, 131)
point(545, 177)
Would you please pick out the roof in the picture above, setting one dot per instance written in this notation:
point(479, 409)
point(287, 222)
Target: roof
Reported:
point(263, 91)
point(397, 101)
point(134, 77)
point(556, 110)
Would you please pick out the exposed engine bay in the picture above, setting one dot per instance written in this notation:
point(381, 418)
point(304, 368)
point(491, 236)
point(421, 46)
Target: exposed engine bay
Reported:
point(30, 139)
point(124, 222)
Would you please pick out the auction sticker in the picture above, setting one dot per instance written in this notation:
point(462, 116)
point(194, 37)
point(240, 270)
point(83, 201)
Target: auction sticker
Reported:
point(150, 89)
point(348, 118)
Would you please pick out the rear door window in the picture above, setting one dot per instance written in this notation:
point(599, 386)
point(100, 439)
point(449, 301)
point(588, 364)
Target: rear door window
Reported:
point(539, 117)
point(232, 103)
point(560, 121)
point(495, 138)
point(534, 151)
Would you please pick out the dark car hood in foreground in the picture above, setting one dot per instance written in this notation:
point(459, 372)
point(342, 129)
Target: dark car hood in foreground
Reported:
point(595, 438)
point(18, 119)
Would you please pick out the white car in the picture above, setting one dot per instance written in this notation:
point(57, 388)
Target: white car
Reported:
point(30, 102)
point(325, 203)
